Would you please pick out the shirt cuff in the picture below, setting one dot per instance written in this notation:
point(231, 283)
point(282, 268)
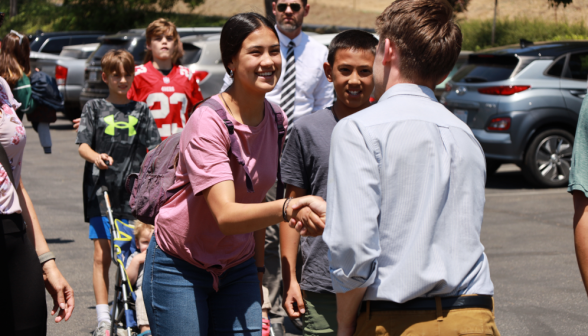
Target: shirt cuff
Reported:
point(343, 283)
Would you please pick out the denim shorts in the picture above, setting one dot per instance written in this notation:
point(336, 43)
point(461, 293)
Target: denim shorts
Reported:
point(180, 300)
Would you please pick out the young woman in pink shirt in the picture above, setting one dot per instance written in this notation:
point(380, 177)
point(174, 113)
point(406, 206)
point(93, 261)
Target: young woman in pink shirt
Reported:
point(205, 262)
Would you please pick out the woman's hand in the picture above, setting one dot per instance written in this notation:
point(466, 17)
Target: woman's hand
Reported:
point(60, 290)
point(308, 215)
point(76, 123)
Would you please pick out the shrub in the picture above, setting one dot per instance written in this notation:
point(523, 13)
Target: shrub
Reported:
point(477, 34)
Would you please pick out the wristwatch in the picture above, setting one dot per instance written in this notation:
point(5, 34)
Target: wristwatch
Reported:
point(261, 269)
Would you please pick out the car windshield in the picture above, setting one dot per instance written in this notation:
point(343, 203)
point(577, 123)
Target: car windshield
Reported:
point(486, 68)
point(36, 43)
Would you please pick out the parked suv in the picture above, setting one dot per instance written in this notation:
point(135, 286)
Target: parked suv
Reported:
point(522, 104)
point(53, 43)
point(132, 40)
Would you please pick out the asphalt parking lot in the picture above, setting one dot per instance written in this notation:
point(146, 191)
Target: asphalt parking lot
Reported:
point(527, 233)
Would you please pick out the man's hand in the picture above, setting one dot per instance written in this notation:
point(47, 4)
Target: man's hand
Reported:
point(293, 295)
point(60, 290)
point(102, 161)
point(76, 123)
point(308, 215)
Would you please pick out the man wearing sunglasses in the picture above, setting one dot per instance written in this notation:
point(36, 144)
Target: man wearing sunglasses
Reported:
point(302, 89)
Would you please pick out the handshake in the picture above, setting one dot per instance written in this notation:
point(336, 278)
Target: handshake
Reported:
point(308, 215)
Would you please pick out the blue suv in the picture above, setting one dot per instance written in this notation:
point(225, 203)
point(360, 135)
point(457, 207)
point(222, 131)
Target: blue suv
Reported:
point(522, 104)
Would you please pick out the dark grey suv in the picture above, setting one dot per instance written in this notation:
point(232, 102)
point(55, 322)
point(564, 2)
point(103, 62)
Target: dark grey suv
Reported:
point(522, 104)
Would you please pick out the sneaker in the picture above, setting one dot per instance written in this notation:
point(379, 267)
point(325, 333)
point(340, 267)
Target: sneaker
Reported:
point(103, 329)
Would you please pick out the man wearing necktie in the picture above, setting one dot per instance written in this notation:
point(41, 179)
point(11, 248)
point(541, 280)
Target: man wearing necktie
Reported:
point(303, 88)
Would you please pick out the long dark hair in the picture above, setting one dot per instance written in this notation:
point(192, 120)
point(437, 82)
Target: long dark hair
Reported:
point(236, 30)
point(14, 58)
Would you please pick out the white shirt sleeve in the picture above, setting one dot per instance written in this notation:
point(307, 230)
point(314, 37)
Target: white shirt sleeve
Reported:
point(353, 209)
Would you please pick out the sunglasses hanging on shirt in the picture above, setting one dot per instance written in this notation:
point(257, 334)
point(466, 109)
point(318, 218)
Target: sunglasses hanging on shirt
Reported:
point(293, 6)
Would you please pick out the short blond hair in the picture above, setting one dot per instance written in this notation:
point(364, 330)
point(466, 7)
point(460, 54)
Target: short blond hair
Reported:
point(140, 227)
point(160, 27)
point(113, 60)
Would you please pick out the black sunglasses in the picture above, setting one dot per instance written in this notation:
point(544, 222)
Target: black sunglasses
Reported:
point(293, 6)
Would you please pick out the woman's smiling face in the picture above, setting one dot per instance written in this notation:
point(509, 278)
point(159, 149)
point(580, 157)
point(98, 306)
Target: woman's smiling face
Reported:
point(258, 65)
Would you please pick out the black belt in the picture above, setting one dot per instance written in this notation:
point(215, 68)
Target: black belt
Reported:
point(454, 302)
point(12, 223)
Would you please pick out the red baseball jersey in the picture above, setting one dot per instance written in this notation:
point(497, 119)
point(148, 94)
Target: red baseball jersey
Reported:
point(170, 98)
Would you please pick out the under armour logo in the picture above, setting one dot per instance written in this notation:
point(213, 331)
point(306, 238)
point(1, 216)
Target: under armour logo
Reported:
point(120, 124)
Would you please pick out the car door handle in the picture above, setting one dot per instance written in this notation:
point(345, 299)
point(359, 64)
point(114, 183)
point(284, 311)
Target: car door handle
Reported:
point(579, 93)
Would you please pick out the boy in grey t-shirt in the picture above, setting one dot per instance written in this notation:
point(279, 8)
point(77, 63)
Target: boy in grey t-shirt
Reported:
point(305, 164)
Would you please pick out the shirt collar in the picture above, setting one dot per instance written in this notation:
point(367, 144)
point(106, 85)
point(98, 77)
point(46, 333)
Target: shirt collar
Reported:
point(409, 89)
point(285, 40)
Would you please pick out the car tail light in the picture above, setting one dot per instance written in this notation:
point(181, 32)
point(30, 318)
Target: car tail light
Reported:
point(60, 74)
point(200, 75)
point(504, 90)
point(499, 124)
point(447, 87)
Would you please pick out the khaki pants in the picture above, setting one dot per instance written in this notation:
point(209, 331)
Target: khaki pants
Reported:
point(456, 322)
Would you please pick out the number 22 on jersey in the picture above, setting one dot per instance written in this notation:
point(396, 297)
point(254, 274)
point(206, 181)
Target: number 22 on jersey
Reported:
point(169, 112)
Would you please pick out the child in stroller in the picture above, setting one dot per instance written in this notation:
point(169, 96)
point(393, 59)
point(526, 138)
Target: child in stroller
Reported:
point(134, 266)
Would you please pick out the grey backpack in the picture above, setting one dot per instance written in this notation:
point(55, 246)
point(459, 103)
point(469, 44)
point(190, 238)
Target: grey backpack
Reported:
point(150, 188)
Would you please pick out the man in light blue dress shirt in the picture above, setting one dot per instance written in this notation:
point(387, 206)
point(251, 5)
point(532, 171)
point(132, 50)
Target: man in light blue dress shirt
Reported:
point(406, 193)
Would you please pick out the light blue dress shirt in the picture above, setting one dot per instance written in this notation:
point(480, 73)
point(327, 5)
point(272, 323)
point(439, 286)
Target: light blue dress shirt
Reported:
point(406, 201)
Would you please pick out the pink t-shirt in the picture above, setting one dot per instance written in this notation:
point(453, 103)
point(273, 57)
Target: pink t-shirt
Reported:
point(185, 226)
point(13, 139)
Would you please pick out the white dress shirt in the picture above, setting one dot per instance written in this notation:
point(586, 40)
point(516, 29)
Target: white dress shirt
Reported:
point(406, 201)
point(313, 91)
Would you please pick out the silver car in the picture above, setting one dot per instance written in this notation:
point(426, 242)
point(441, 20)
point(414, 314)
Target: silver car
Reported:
point(522, 103)
point(204, 60)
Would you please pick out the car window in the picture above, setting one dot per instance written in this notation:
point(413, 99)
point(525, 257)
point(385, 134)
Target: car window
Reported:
point(55, 45)
point(191, 54)
point(578, 66)
point(36, 43)
point(77, 40)
point(70, 53)
point(89, 39)
point(486, 68)
point(557, 67)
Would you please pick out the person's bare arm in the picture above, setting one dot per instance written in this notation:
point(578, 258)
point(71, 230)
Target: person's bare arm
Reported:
point(55, 283)
point(289, 241)
point(347, 306)
point(135, 265)
point(237, 218)
point(581, 233)
point(91, 156)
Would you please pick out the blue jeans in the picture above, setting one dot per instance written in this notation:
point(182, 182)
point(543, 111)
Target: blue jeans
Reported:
point(180, 300)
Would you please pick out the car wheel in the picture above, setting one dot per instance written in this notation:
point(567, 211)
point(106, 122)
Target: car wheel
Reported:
point(492, 166)
point(548, 158)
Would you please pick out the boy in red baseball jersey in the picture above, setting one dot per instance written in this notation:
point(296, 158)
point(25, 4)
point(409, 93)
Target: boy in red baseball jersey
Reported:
point(169, 89)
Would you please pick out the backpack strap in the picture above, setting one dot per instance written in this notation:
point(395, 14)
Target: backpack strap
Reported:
point(279, 118)
point(235, 149)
